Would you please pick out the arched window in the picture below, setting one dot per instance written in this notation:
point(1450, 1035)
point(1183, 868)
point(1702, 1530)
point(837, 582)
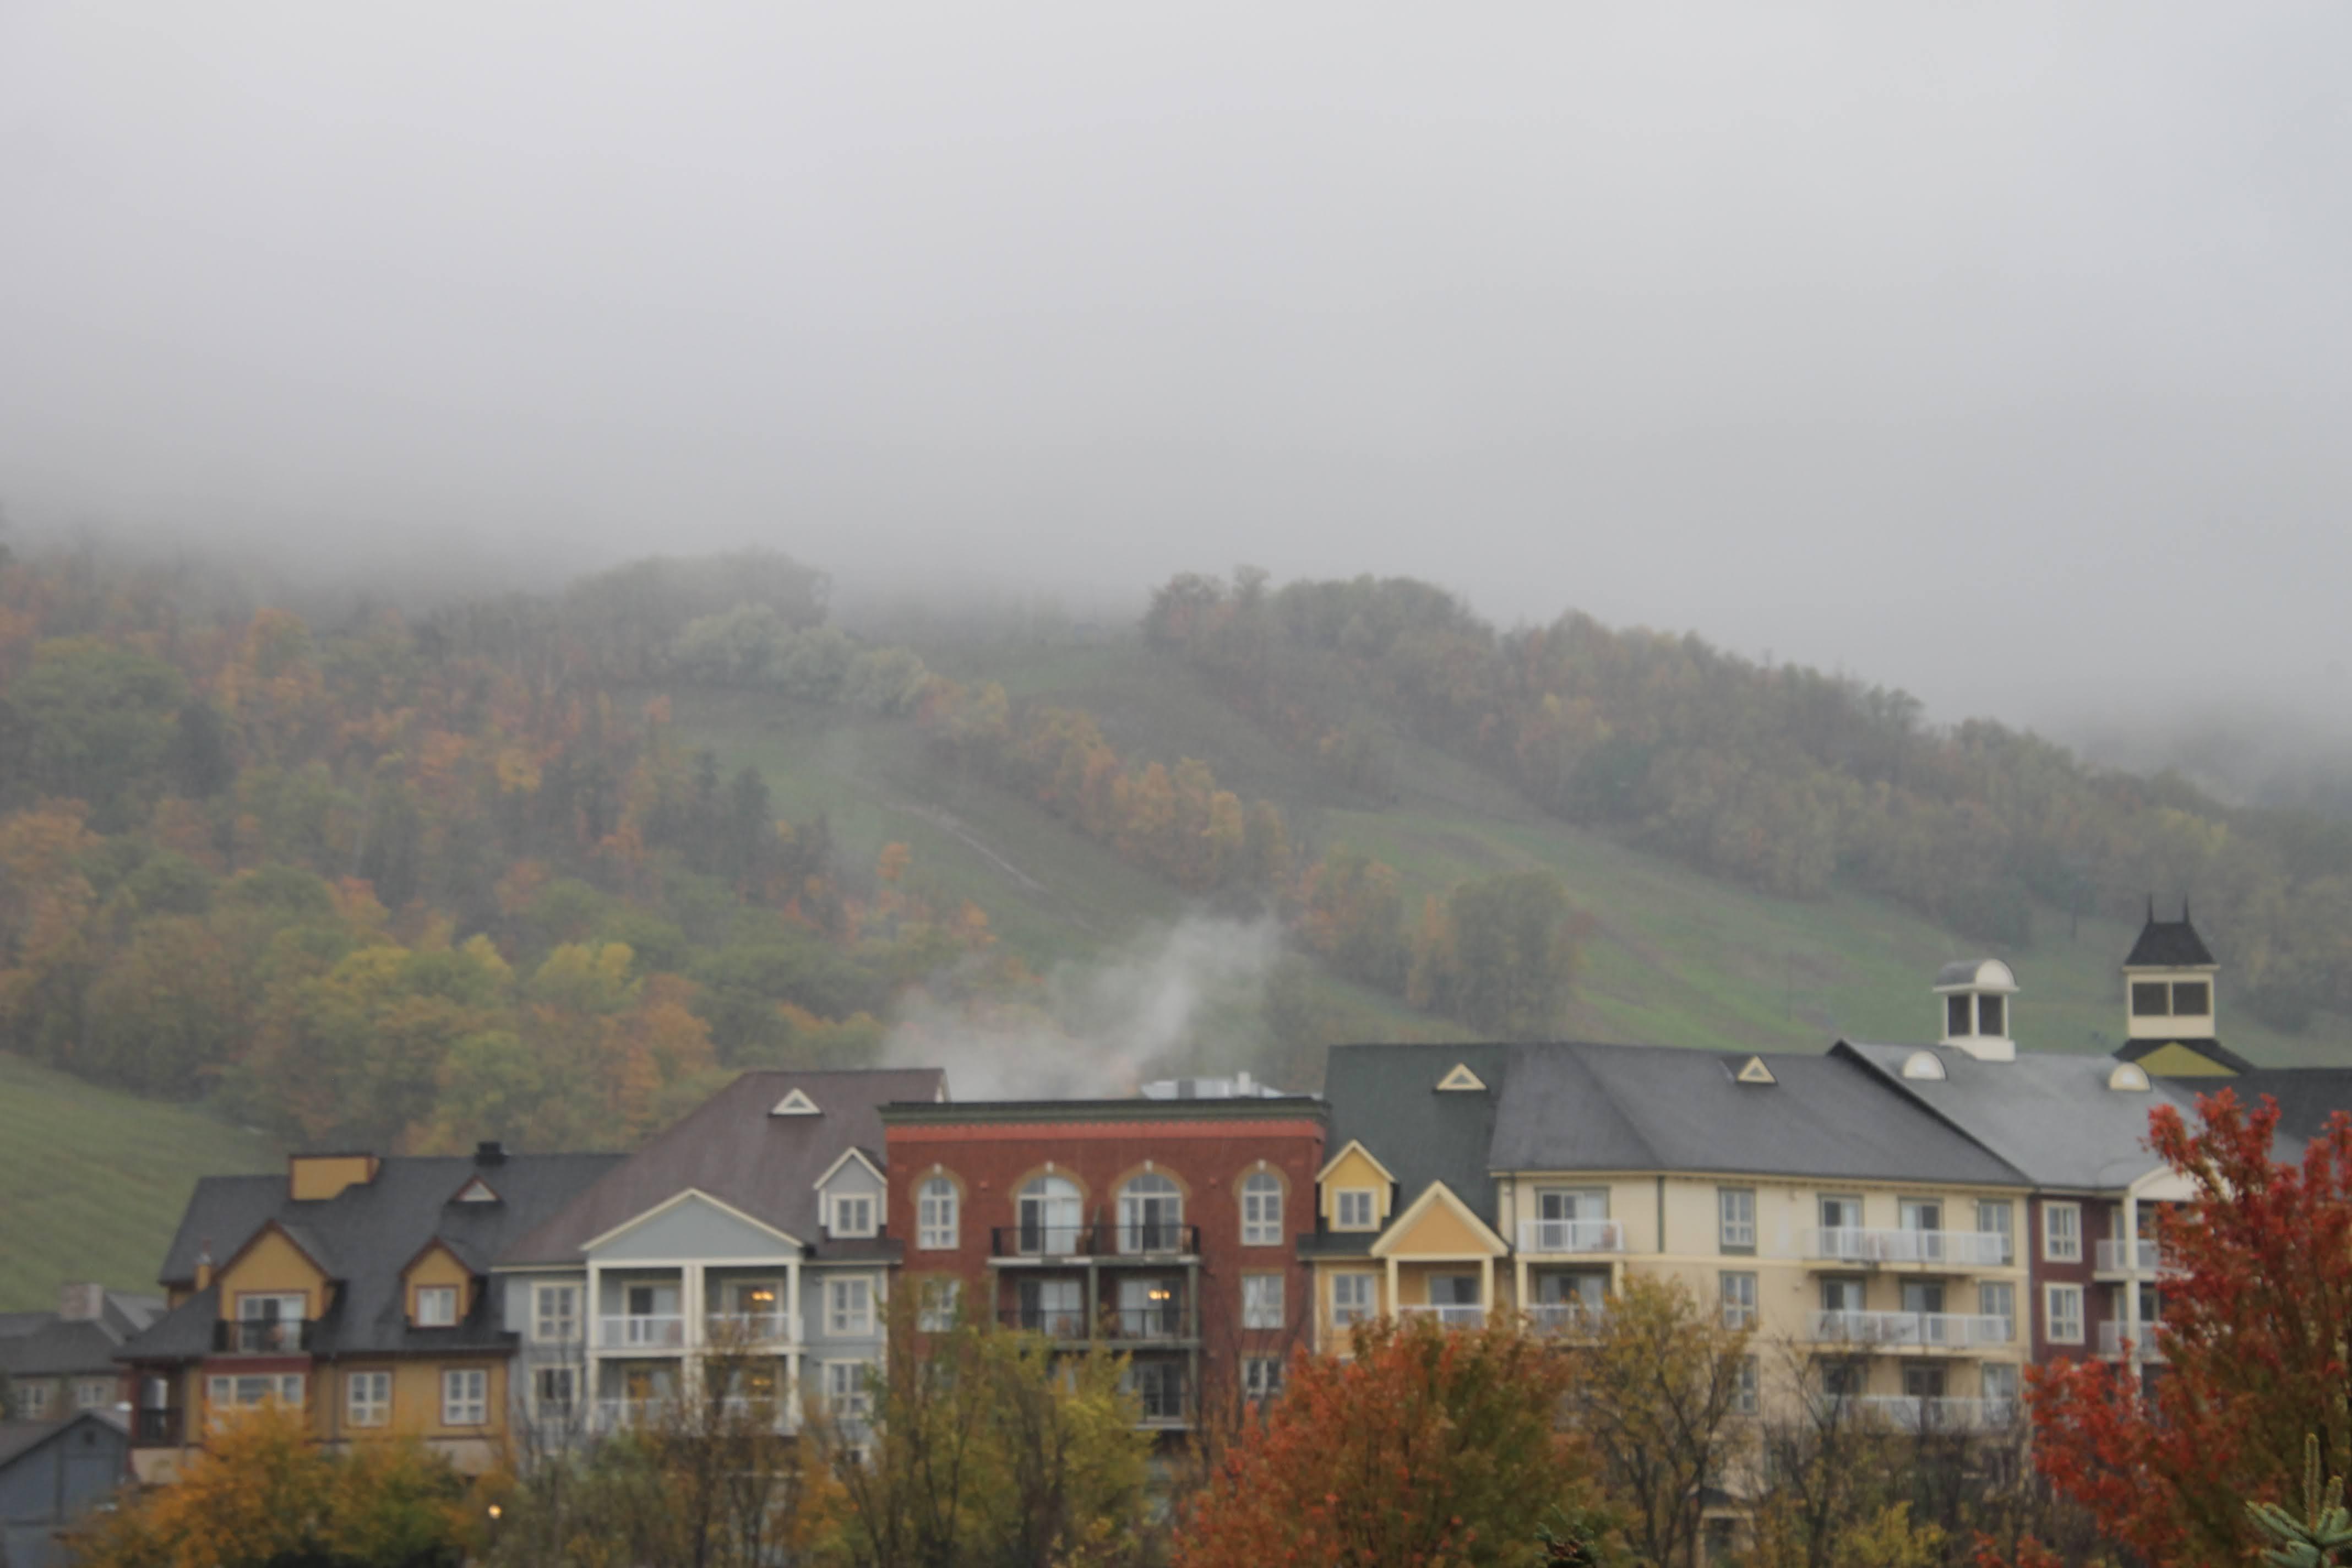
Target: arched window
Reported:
point(1262, 1210)
point(934, 1215)
point(1049, 1217)
point(1151, 1215)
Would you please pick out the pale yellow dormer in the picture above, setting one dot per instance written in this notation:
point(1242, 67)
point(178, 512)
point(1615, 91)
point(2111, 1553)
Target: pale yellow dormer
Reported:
point(1354, 1191)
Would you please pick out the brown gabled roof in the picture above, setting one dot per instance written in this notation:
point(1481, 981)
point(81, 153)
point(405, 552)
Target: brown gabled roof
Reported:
point(733, 1148)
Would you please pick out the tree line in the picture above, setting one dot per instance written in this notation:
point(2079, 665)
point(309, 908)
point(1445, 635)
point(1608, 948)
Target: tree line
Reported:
point(1777, 776)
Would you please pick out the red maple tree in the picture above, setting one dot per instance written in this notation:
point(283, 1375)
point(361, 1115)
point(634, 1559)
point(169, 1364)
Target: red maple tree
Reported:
point(1428, 1449)
point(2255, 1320)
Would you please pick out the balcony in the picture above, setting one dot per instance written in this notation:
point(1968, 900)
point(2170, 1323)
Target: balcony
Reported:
point(748, 1329)
point(2142, 1257)
point(2150, 1345)
point(1560, 1237)
point(1934, 1414)
point(262, 1336)
point(1932, 1249)
point(1446, 1317)
point(1567, 1319)
point(1163, 1322)
point(661, 1332)
point(1104, 1242)
point(1928, 1331)
point(1054, 1322)
point(155, 1429)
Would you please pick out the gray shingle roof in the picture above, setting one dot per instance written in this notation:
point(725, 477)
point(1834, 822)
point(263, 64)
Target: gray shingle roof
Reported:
point(731, 1149)
point(1659, 1107)
point(2306, 1097)
point(1387, 1098)
point(2053, 1117)
point(18, 1439)
point(44, 1344)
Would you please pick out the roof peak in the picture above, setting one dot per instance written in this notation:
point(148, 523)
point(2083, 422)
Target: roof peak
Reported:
point(2169, 944)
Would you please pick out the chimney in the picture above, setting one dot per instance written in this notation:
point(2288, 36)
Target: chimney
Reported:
point(204, 1264)
point(81, 1302)
point(490, 1151)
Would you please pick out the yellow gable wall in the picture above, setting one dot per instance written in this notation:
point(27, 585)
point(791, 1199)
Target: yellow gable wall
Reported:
point(437, 1268)
point(2177, 1060)
point(271, 1266)
point(313, 1178)
point(1440, 1232)
point(1355, 1171)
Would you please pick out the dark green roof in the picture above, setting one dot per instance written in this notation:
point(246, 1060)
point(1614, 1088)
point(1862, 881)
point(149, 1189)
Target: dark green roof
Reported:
point(1387, 1099)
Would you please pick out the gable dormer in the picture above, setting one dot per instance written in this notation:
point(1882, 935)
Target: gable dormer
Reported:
point(2169, 981)
point(1354, 1192)
point(280, 1278)
point(1975, 994)
point(436, 1287)
point(850, 1197)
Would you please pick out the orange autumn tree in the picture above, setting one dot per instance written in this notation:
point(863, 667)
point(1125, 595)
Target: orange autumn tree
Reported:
point(2256, 1323)
point(1428, 1449)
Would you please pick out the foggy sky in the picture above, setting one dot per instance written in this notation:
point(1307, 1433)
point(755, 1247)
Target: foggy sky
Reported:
point(1997, 351)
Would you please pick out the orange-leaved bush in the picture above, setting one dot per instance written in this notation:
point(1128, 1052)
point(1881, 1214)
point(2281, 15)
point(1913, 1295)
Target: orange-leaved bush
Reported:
point(1428, 1449)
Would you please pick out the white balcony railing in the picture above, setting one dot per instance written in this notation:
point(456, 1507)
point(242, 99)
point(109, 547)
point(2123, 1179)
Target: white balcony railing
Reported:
point(2149, 1344)
point(609, 1416)
point(1935, 1414)
point(2141, 1257)
point(1949, 1331)
point(1448, 1316)
point(666, 1332)
point(1566, 1318)
point(748, 1329)
point(1571, 1235)
point(1954, 1249)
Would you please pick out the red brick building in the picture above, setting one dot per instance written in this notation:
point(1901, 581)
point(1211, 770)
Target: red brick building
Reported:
point(1166, 1229)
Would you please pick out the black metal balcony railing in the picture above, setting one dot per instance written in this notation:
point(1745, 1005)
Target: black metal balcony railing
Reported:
point(262, 1336)
point(1054, 1322)
point(1152, 1239)
point(155, 1429)
point(1159, 1322)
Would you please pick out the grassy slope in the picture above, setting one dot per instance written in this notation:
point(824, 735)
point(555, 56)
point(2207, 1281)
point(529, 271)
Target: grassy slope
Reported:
point(92, 1181)
point(1676, 958)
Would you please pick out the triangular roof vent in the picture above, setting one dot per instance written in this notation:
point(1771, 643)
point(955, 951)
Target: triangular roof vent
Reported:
point(796, 1104)
point(1753, 1070)
point(1462, 1078)
point(476, 1191)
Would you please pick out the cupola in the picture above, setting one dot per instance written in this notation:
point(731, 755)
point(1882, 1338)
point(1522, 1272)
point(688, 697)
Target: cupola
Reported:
point(1975, 994)
point(2169, 981)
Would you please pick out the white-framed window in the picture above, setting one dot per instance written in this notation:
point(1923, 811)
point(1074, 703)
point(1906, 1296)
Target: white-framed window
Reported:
point(1352, 1299)
point(1747, 1396)
point(1151, 1215)
point(2062, 1314)
point(1262, 1209)
point(1735, 1211)
point(436, 1306)
point(2061, 1233)
point(33, 1400)
point(555, 1315)
point(845, 1396)
point(1261, 1377)
point(254, 1388)
point(367, 1398)
point(937, 1305)
point(934, 1215)
point(853, 1214)
point(1996, 1216)
point(93, 1394)
point(1353, 1210)
point(1738, 1291)
point(555, 1392)
point(464, 1396)
point(1998, 1382)
point(1261, 1301)
point(849, 1307)
point(1998, 1299)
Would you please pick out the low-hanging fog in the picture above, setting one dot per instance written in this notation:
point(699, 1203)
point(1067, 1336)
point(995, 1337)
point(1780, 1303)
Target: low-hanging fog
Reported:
point(1997, 351)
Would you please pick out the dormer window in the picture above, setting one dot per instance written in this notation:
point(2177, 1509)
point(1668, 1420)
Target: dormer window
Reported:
point(1353, 1210)
point(1976, 994)
point(853, 1216)
point(436, 1306)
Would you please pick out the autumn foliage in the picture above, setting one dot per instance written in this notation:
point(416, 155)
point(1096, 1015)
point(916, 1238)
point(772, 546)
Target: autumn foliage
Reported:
point(2254, 1339)
point(1426, 1449)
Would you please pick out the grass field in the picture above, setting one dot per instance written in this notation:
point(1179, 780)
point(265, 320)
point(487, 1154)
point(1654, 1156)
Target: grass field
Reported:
point(1675, 958)
point(92, 1181)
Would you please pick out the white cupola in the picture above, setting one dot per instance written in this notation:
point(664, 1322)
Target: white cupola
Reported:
point(1976, 994)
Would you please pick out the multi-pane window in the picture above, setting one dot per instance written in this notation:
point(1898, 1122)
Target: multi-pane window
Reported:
point(93, 1394)
point(853, 1215)
point(1049, 1216)
point(33, 1399)
point(1151, 1215)
point(2062, 1313)
point(936, 1306)
point(934, 1215)
point(1999, 1381)
point(555, 1315)
point(555, 1389)
point(844, 1390)
point(1159, 1387)
point(1262, 1210)
point(464, 1396)
point(436, 1306)
point(1738, 1300)
point(1920, 1214)
point(1261, 1377)
point(2061, 1232)
point(1843, 1378)
point(1261, 1301)
point(1735, 1209)
point(1747, 1396)
point(367, 1398)
point(1351, 1299)
point(1999, 1301)
point(1355, 1210)
point(270, 1322)
point(256, 1388)
point(1841, 1212)
point(1995, 1217)
point(849, 1306)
